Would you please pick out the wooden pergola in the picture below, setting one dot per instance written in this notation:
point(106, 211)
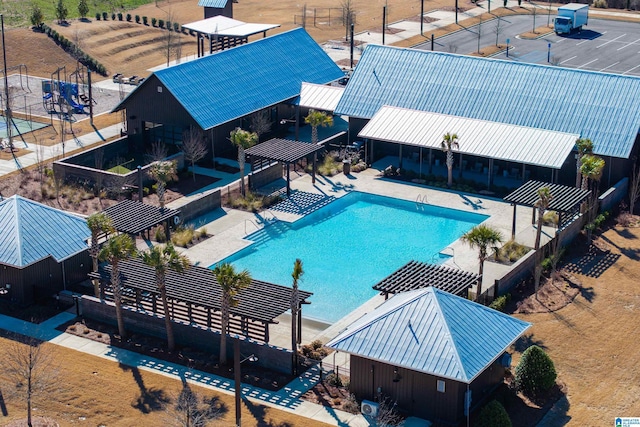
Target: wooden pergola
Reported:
point(286, 151)
point(195, 297)
point(417, 275)
point(566, 201)
point(136, 217)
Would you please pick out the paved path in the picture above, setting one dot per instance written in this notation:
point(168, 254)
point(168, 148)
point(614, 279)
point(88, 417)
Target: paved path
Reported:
point(55, 151)
point(287, 399)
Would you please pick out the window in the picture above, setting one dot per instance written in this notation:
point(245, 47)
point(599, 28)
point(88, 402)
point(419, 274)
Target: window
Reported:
point(440, 386)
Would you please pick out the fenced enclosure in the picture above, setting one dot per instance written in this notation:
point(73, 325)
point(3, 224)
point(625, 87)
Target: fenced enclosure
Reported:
point(323, 16)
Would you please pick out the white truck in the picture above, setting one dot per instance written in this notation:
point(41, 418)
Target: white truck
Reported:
point(571, 17)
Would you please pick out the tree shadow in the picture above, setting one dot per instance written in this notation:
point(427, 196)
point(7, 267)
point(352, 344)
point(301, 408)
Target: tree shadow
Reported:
point(151, 399)
point(548, 409)
point(259, 412)
point(592, 264)
point(526, 341)
point(622, 232)
point(3, 406)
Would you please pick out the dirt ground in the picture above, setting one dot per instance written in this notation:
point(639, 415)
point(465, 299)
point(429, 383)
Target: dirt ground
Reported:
point(123, 396)
point(591, 340)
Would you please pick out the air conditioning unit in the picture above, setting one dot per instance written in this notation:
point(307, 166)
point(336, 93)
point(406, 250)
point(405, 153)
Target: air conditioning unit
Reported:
point(369, 408)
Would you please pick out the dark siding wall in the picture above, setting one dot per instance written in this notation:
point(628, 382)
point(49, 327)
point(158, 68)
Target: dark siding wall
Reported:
point(485, 383)
point(147, 104)
point(77, 267)
point(45, 277)
point(227, 11)
point(13, 276)
point(355, 126)
point(415, 392)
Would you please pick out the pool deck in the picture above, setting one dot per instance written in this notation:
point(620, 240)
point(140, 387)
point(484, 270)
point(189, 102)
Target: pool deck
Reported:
point(230, 231)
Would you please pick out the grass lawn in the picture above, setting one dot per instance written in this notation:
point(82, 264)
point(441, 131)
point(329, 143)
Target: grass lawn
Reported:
point(92, 391)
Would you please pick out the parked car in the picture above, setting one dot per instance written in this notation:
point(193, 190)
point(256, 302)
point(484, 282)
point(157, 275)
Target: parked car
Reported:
point(117, 78)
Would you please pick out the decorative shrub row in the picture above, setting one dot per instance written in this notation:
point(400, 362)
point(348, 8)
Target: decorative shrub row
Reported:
point(161, 23)
point(74, 50)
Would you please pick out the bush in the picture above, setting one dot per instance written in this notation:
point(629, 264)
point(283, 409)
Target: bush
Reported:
point(510, 252)
point(183, 236)
point(128, 17)
point(169, 25)
point(119, 16)
point(535, 373)
point(37, 17)
point(600, 4)
point(501, 302)
point(351, 404)
point(153, 22)
point(145, 21)
point(113, 16)
point(161, 236)
point(97, 16)
point(202, 233)
point(161, 23)
point(315, 350)
point(333, 380)
point(493, 415)
point(550, 218)
point(104, 16)
point(138, 19)
point(176, 27)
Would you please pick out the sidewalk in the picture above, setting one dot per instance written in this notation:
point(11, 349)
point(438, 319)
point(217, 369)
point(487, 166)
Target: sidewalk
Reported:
point(48, 152)
point(287, 399)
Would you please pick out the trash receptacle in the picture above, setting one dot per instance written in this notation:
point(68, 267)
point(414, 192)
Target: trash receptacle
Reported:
point(346, 167)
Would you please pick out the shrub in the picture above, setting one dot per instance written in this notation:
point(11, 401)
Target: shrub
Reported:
point(113, 16)
point(535, 373)
point(128, 17)
point(183, 236)
point(145, 21)
point(493, 415)
point(161, 23)
point(550, 218)
point(37, 17)
point(97, 16)
point(104, 16)
point(119, 16)
point(169, 25)
point(153, 21)
point(600, 4)
point(315, 350)
point(333, 380)
point(202, 233)
point(161, 236)
point(137, 19)
point(176, 27)
point(511, 252)
point(501, 302)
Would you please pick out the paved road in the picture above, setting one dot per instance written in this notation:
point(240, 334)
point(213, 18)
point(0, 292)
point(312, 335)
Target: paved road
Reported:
point(608, 46)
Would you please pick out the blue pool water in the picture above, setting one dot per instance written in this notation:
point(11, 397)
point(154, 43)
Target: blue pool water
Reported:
point(349, 246)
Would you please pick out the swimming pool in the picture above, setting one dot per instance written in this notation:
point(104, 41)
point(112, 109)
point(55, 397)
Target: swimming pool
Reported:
point(349, 246)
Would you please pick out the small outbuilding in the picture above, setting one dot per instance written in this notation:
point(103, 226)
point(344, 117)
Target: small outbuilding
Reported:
point(217, 8)
point(42, 250)
point(436, 355)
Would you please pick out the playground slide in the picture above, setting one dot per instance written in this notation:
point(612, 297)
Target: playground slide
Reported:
point(78, 108)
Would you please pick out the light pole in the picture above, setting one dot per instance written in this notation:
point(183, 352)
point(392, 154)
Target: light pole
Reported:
point(238, 378)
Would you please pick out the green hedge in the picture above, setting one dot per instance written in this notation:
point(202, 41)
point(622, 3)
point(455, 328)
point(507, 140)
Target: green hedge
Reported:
point(70, 47)
point(536, 372)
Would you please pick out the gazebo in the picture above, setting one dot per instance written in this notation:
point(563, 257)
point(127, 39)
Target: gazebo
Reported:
point(417, 275)
point(195, 298)
point(566, 201)
point(136, 217)
point(285, 151)
point(224, 32)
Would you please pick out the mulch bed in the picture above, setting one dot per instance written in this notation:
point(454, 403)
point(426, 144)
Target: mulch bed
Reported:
point(193, 358)
point(554, 293)
point(331, 396)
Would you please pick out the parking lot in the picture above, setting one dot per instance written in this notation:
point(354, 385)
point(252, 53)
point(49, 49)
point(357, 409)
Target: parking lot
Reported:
point(604, 45)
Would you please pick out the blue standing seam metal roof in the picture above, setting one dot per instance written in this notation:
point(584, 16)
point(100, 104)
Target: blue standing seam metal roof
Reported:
point(233, 83)
point(595, 105)
point(432, 331)
point(212, 3)
point(30, 232)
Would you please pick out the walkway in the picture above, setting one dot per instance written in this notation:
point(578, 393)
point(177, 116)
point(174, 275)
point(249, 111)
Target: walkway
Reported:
point(286, 399)
point(39, 153)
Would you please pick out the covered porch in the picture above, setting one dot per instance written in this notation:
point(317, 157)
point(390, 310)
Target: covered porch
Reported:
point(490, 153)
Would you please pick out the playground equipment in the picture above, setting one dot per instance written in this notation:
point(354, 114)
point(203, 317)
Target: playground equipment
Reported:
point(62, 96)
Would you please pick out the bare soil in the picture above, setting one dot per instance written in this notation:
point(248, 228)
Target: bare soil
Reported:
point(554, 293)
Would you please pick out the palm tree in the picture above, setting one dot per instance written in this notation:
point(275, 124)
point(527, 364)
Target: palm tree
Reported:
point(481, 237)
point(584, 146)
point(163, 258)
point(163, 172)
point(230, 282)
point(243, 140)
point(295, 308)
point(99, 223)
point(448, 144)
point(117, 249)
point(591, 169)
point(544, 200)
point(317, 119)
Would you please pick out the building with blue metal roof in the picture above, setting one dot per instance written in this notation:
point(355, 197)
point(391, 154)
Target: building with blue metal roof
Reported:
point(217, 7)
point(218, 92)
point(42, 249)
point(425, 348)
point(594, 105)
